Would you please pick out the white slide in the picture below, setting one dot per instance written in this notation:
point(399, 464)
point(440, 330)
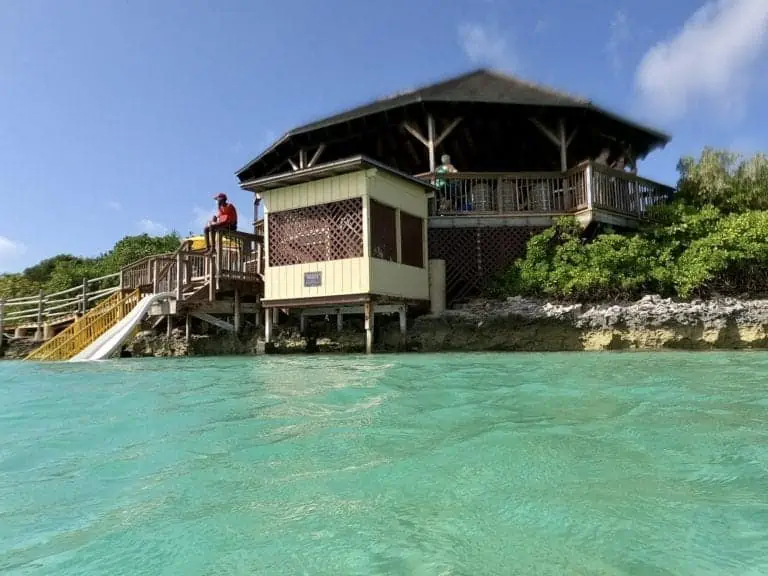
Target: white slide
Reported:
point(111, 341)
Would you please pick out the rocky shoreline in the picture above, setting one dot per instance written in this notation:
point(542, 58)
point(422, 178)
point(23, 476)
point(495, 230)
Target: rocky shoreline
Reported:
point(515, 324)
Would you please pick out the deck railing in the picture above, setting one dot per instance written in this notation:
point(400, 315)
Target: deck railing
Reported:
point(586, 186)
point(35, 311)
point(238, 256)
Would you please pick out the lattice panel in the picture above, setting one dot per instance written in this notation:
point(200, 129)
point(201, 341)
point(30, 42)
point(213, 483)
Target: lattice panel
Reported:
point(412, 240)
point(383, 231)
point(319, 233)
point(473, 256)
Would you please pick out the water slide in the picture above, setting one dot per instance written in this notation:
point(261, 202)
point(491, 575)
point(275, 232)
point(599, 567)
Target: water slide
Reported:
point(111, 341)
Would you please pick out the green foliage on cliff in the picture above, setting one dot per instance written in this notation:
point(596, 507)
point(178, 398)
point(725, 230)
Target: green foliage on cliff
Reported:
point(67, 271)
point(712, 239)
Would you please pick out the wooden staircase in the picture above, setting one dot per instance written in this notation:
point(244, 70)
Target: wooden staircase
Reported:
point(84, 331)
point(199, 281)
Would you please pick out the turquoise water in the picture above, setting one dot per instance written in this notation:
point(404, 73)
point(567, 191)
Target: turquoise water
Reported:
point(441, 465)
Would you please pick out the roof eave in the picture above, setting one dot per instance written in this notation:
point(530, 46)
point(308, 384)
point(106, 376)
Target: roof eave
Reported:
point(272, 147)
point(329, 169)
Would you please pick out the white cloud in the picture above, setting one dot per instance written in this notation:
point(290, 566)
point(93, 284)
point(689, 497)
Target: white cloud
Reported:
point(10, 251)
point(486, 46)
point(708, 61)
point(618, 35)
point(152, 228)
point(114, 205)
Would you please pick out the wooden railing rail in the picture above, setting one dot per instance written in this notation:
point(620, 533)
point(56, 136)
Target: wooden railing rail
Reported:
point(585, 186)
point(35, 311)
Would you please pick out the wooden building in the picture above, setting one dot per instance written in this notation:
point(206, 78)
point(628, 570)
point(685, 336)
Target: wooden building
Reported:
point(348, 236)
point(525, 155)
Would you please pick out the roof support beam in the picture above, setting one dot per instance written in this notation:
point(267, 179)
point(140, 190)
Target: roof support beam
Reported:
point(563, 145)
point(302, 159)
point(316, 155)
point(447, 131)
point(561, 140)
point(293, 165)
point(431, 142)
point(415, 133)
point(554, 138)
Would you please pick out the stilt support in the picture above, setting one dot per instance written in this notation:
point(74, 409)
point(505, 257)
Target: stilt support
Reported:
point(268, 317)
point(402, 313)
point(369, 316)
point(237, 311)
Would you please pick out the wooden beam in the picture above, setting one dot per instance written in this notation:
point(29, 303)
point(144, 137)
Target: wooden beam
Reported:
point(431, 142)
point(369, 316)
point(563, 145)
point(213, 320)
point(316, 155)
point(268, 326)
point(572, 136)
point(416, 134)
point(237, 311)
point(447, 131)
point(546, 131)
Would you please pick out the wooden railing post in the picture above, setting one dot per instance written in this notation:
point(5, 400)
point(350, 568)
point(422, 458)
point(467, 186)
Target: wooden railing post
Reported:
point(179, 277)
point(84, 304)
point(588, 183)
point(155, 282)
point(40, 312)
point(217, 263)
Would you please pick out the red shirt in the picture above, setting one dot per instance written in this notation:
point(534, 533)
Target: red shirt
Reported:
point(227, 215)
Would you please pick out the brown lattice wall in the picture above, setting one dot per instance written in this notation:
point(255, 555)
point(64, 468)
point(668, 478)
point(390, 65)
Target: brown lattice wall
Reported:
point(412, 239)
point(383, 231)
point(473, 256)
point(319, 233)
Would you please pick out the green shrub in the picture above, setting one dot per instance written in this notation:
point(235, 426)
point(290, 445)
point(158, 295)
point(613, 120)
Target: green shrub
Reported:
point(712, 239)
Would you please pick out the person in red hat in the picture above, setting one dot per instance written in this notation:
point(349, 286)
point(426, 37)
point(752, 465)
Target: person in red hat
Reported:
point(225, 219)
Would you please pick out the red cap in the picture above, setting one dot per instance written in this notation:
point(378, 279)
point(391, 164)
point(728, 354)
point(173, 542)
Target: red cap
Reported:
point(220, 196)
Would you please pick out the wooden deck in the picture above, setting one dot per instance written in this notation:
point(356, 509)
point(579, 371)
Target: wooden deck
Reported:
point(211, 283)
point(480, 222)
point(532, 199)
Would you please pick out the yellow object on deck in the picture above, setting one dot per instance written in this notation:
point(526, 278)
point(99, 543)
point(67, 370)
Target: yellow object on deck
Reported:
point(84, 331)
point(198, 243)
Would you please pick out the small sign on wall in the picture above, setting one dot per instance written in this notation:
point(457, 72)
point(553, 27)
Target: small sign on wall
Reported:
point(313, 279)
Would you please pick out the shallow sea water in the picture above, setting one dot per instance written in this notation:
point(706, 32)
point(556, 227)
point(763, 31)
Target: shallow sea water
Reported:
point(647, 464)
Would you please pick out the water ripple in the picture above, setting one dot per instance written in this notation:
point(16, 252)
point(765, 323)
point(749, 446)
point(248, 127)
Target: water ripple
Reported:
point(617, 464)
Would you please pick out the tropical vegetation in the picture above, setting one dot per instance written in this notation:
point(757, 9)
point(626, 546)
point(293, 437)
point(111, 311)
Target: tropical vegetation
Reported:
point(711, 240)
point(66, 271)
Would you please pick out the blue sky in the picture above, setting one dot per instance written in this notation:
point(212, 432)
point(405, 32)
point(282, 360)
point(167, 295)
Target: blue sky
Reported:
point(124, 116)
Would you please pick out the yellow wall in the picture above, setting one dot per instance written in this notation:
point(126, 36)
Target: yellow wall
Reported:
point(318, 192)
point(350, 276)
point(398, 193)
point(393, 279)
point(355, 275)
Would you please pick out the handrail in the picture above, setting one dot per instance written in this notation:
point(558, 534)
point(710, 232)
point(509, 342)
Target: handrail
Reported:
point(82, 333)
point(587, 185)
